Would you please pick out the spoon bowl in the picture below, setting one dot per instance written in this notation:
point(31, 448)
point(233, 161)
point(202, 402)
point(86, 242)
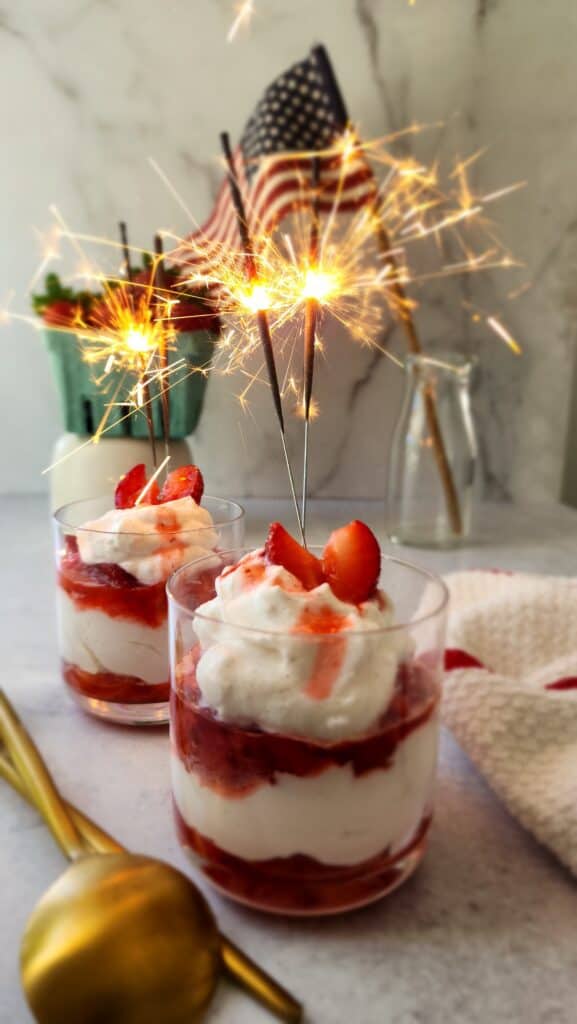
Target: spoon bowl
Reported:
point(120, 939)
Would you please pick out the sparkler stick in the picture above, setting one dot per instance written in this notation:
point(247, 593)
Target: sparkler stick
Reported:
point(160, 280)
point(147, 403)
point(147, 398)
point(406, 319)
point(125, 249)
point(311, 316)
point(261, 314)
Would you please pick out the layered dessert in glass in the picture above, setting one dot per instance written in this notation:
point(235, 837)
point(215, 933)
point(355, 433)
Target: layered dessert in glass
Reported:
point(113, 557)
point(304, 719)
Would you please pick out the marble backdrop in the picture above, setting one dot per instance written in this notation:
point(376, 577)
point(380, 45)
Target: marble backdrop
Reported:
point(91, 88)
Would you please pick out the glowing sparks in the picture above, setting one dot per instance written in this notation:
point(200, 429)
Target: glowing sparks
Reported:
point(257, 299)
point(314, 411)
point(320, 285)
point(432, 232)
point(503, 333)
point(125, 332)
point(436, 224)
point(137, 341)
point(244, 13)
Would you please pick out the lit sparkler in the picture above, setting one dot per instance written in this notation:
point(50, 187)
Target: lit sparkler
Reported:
point(258, 301)
point(353, 275)
point(317, 288)
point(125, 334)
point(373, 261)
point(351, 279)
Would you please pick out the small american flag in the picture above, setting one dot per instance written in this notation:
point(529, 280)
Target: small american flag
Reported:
point(302, 112)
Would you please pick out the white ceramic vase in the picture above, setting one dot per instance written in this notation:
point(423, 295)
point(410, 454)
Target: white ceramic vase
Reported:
point(82, 469)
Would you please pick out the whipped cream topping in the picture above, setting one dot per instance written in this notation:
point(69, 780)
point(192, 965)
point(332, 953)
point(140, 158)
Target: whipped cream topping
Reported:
point(305, 663)
point(149, 541)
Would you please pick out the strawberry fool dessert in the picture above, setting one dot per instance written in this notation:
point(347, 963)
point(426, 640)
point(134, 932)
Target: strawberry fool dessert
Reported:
point(112, 568)
point(304, 720)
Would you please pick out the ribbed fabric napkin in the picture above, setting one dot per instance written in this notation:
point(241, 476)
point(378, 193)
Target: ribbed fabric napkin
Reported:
point(510, 695)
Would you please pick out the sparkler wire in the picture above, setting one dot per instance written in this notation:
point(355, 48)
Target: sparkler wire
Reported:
point(125, 249)
point(145, 384)
point(261, 314)
point(310, 325)
point(160, 280)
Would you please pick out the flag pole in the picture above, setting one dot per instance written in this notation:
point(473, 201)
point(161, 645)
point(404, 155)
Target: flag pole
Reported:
point(406, 319)
point(261, 314)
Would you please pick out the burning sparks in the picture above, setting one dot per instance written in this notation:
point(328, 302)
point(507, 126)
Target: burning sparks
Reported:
point(125, 332)
point(432, 230)
point(257, 299)
point(503, 333)
point(244, 12)
point(320, 285)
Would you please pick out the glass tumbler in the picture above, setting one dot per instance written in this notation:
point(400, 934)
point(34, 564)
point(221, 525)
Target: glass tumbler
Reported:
point(278, 820)
point(113, 628)
point(433, 460)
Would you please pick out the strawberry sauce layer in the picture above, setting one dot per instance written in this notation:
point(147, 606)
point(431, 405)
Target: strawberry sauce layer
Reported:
point(234, 760)
point(108, 588)
point(300, 884)
point(113, 688)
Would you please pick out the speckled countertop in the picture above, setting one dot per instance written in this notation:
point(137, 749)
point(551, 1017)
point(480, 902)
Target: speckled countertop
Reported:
point(484, 933)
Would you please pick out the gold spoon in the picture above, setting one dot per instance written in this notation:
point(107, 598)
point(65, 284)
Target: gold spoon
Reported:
point(238, 964)
point(119, 938)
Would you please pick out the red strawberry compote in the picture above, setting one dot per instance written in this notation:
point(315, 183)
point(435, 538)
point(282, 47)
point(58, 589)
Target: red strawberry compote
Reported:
point(304, 733)
point(112, 568)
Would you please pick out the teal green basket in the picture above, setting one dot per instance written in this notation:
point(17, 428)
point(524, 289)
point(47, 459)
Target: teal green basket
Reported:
point(84, 402)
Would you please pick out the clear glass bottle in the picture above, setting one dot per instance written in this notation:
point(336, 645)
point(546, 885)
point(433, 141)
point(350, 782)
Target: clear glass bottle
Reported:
point(434, 456)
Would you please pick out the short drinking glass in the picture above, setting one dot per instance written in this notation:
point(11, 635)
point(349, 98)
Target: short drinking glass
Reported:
point(113, 625)
point(278, 820)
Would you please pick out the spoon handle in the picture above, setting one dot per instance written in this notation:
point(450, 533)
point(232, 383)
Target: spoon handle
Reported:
point(37, 779)
point(96, 837)
point(259, 983)
point(240, 966)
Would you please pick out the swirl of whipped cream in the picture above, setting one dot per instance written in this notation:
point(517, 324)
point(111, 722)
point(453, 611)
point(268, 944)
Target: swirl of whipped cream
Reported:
point(305, 664)
point(149, 541)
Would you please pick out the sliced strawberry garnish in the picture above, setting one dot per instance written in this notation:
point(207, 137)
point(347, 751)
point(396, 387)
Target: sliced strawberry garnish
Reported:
point(129, 486)
point(282, 549)
point(352, 562)
point(186, 481)
point(152, 496)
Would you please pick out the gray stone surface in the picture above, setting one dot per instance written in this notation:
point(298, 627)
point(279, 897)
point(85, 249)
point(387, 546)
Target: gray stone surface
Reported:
point(485, 932)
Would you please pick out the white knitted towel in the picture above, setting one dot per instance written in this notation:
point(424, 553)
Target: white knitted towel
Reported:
point(515, 713)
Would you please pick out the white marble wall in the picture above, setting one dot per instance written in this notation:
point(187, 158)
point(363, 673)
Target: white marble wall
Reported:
point(91, 88)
